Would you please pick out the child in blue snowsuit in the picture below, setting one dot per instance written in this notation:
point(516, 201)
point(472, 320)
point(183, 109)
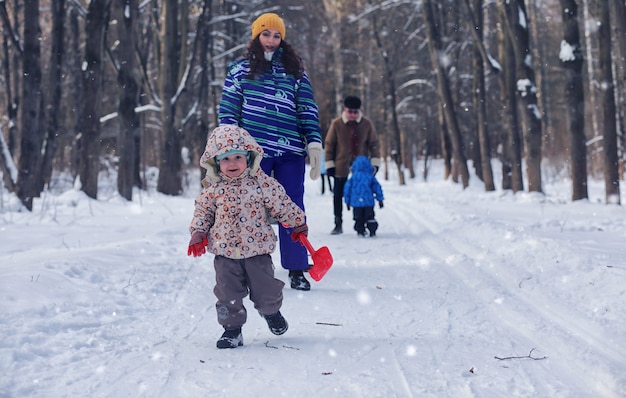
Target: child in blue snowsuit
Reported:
point(361, 192)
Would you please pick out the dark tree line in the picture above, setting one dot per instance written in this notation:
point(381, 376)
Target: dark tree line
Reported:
point(88, 83)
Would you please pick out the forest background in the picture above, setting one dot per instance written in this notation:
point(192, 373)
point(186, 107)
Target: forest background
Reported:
point(134, 85)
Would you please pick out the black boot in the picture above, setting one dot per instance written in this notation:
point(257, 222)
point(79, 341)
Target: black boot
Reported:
point(298, 281)
point(372, 226)
point(231, 338)
point(338, 230)
point(277, 323)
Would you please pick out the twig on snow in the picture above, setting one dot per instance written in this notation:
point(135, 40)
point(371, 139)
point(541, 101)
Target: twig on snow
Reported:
point(328, 324)
point(529, 356)
point(524, 280)
point(130, 283)
point(267, 344)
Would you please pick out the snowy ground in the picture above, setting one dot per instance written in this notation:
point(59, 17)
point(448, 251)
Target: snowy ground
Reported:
point(463, 294)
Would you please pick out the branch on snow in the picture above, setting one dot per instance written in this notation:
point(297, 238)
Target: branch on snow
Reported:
point(529, 356)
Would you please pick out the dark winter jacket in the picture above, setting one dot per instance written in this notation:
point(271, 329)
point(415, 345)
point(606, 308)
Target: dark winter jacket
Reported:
point(276, 108)
point(362, 188)
point(339, 140)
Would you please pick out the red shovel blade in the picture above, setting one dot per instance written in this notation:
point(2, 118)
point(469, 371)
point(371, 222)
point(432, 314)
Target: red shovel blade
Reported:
point(322, 259)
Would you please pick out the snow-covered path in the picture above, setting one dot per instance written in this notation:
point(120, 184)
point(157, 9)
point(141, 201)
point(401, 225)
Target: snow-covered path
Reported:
point(99, 299)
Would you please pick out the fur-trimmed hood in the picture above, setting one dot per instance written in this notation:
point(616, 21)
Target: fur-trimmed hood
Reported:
point(223, 139)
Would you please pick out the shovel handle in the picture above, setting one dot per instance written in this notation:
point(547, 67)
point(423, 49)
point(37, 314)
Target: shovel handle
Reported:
point(305, 242)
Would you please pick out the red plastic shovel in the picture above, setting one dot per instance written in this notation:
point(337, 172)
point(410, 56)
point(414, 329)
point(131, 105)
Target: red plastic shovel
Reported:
point(322, 259)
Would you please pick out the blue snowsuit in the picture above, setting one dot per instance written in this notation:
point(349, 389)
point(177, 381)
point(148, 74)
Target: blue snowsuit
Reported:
point(361, 192)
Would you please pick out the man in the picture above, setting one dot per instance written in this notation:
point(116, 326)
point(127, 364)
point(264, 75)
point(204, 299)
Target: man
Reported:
point(348, 136)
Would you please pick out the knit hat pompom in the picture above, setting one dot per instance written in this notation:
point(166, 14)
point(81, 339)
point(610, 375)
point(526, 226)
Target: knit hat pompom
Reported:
point(268, 21)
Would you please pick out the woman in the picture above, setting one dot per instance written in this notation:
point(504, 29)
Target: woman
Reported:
point(269, 94)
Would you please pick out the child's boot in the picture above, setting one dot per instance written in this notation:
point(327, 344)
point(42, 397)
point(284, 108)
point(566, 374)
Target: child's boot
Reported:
point(277, 324)
point(372, 226)
point(231, 338)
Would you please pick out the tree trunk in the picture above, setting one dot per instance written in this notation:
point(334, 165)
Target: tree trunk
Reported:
point(207, 99)
point(334, 16)
point(128, 98)
point(31, 132)
point(170, 172)
point(55, 81)
point(544, 94)
point(479, 98)
point(511, 137)
point(607, 102)
point(75, 90)
point(527, 92)
point(398, 137)
point(594, 159)
point(13, 53)
point(619, 13)
point(7, 167)
point(446, 145)
point(445, 94)
point(89, 121)
point(572, 59)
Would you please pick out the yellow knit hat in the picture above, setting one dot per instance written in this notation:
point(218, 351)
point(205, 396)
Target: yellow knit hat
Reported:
point(268, 21)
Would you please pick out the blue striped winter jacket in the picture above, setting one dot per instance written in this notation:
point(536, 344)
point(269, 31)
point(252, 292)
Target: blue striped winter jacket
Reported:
point(277, 109)
point(362, 188)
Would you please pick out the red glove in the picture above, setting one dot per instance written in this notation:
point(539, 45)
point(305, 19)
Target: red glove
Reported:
point(299, 230)
point(197, 244)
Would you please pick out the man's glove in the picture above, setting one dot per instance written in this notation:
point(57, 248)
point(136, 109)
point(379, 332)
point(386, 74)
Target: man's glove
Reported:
point(348, 206)
point(197, 244)
point(380, 204)
point(314, 150)
point(299, 230)
point(375, 170)
point(330, 172)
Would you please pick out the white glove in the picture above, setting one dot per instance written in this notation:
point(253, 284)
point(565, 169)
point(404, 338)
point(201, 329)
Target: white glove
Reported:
point(315, 158)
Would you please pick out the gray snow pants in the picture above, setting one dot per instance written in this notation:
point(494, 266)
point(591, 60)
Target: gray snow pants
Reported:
point(234, 279)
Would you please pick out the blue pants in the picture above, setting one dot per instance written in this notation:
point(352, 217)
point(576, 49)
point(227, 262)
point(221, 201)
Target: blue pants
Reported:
point(289, 171)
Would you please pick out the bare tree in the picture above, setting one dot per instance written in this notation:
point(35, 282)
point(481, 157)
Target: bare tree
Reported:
point(607, 100)
point(127, 77)
point(510, 136)
point(55, 84)
point(12, 50)
point(618, 10)
point(398, 138)
point(204, 45)
point(333, 11)
point(480, 58)
point(526, 89)
point(170, 173)
point(433, 30)
point(31, 110)
point(89, 120)
point(572, 58)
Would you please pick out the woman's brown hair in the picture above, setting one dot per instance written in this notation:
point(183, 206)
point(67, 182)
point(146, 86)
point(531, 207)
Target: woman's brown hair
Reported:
point(290, 59)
